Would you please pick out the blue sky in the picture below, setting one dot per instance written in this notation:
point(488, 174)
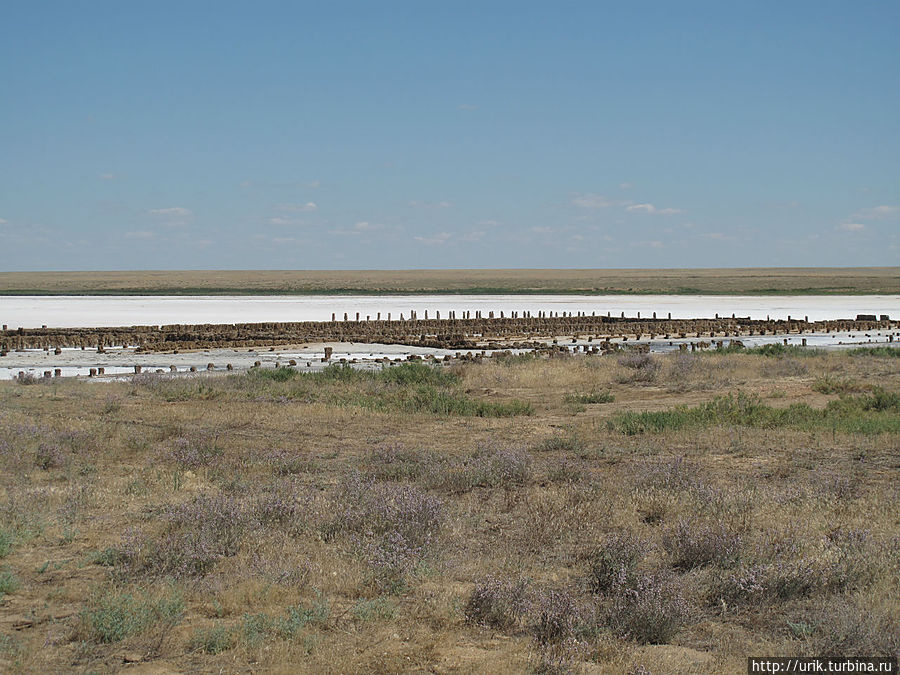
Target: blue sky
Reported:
point(340, 135)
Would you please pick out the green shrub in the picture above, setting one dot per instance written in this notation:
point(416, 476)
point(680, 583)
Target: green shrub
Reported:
point(869, 414)
point(560, 443)
point(9, 583)
point(883, 350)
point(281, 374)
point(213, 640)
point(116, 616)
point(592, 397)
point(777, 350)
point(6, 543)
point(375, 609)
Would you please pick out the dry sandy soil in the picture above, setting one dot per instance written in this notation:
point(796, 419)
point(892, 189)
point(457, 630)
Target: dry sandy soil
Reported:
point(750, 281)
point(515, 515)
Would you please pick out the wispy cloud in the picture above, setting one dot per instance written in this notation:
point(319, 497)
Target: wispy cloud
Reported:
point(307, 207)
point(626, 185)
point(877, 213)
point(140, 234)
point(851, 227)
point(362, 227)
point(3, 221)
point(172, 211)
point(173, 216)
point(649, 244)
point(107, 176)
point(436, 240)
point(592, 201)
point(650, 208)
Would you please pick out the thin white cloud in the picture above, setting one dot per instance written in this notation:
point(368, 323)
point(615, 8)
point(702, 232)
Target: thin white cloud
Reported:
point(436, 240)
point(878, 212)
point(284, 222)
point(3, 221)
point(851, 227)
point(626, 185)
point(650, 208)
point(542, 229)
point(592, 201)
point(362, 227)
point(307, 207)
point(173, 216)
point(172, 211)
point(107, 176)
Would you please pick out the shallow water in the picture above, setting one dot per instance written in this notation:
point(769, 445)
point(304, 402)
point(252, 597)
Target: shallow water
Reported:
point(121, 361)
point(87, 311)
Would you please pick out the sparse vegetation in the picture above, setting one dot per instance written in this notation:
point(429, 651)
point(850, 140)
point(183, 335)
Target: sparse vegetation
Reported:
point(252, 520)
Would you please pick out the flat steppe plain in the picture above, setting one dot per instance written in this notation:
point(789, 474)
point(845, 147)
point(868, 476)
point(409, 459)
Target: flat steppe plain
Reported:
point(624, 513)
point(749, 281)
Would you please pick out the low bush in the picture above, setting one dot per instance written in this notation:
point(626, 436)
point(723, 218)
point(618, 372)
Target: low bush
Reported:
point(9, 583)
point(590, 398)
point(394, 528)
point(560, 443)
point(616, 560)
point(213, 640)
point(843, 627)
point(694, 543)
point(498, 602)
point(649, 610)
point(115, 616)
point(256, 628)
point(488, 467)
point(195, 537)
point(642, 368)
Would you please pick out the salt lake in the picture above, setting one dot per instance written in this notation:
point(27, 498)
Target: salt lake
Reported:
point(89, 311)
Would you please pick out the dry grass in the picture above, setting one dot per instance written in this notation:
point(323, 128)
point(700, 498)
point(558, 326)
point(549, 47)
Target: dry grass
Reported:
point(752, 281)
point(277, 524)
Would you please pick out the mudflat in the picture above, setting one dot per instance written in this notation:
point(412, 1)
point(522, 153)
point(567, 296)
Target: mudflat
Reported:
point(737, 281)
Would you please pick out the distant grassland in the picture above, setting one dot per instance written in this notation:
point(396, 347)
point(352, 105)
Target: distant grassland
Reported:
point(739, 281)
